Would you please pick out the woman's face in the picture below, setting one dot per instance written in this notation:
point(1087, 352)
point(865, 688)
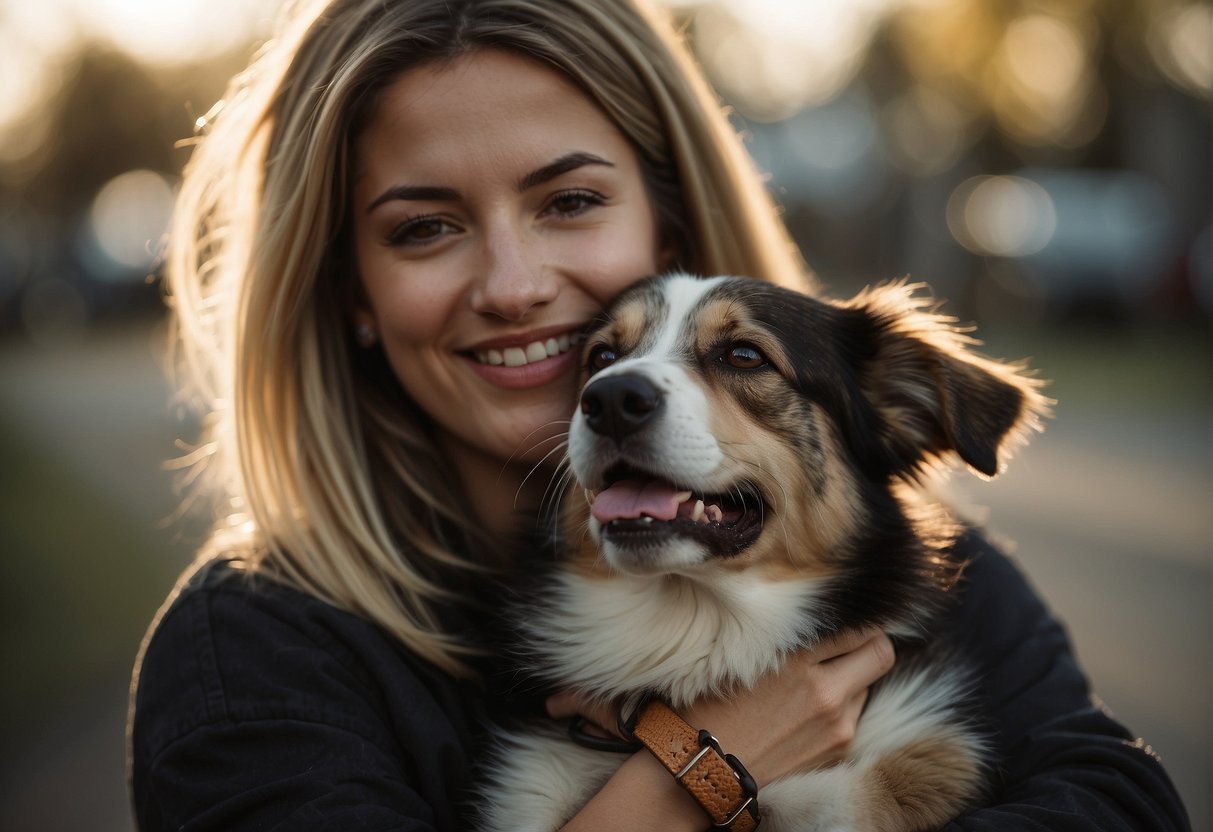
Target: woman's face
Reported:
point(496, 210)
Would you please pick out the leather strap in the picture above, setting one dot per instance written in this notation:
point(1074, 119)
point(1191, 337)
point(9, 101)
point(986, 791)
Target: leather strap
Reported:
point(718, 782)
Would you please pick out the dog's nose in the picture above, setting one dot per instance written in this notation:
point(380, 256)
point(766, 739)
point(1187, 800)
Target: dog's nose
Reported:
point(619, 405)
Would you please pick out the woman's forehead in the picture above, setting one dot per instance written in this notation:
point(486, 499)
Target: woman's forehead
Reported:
point(489, 106)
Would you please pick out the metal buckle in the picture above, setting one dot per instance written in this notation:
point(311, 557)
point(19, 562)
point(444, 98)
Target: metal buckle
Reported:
point(728, 822)
point(749, 787)
point(627, 723)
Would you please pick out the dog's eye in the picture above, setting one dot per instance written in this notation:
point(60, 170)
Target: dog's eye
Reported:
point(744, 357)
point(601, 358)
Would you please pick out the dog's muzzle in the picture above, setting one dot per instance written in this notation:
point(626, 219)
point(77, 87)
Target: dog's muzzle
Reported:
point(648, 502)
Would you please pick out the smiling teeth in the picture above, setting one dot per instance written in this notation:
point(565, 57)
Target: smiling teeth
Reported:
point(532, 352)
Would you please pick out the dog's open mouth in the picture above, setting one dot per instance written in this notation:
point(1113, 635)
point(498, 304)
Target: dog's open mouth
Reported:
point(637, 509)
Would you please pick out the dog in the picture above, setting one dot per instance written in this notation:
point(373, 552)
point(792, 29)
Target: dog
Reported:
point(750, 460)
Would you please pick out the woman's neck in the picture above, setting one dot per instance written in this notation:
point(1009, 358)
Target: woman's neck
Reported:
point(504, 496)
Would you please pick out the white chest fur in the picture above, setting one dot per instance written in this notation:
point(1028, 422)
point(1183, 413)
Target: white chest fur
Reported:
point(672, 635)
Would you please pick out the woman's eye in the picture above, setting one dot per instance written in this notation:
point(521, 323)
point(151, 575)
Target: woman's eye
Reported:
point(744, 357)
point(419, 231)
point(601, 358)
point(572, 203)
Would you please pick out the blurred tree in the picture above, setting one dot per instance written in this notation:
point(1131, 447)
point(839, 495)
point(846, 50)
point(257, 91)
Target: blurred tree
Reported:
point(110, 115)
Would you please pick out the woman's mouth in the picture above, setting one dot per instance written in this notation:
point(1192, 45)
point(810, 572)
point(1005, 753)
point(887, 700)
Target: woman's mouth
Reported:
point(550, 356)
point(530, 353)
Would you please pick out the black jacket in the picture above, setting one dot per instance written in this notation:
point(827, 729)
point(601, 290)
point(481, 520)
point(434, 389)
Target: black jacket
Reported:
point(260, 708)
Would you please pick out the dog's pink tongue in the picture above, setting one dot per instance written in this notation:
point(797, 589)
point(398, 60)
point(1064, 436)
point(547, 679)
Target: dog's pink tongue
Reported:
point(629, 499)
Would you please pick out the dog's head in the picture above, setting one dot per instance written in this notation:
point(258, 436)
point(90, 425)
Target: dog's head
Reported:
point(727, 422)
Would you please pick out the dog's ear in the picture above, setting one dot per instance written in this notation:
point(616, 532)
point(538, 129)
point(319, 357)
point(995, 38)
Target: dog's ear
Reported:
point(930, 394)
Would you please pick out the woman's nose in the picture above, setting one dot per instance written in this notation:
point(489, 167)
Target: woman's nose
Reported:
point(513, 278)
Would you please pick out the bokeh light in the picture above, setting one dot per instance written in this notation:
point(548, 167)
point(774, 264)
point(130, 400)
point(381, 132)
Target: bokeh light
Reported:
point(775, 58)
point(1045, 79)
point(180, 32)
point(1181, 41)
point(1002, 216)
point(29, 73)
point(36, 38)
point(827, 156)
point(926, 131)
point(127, 219)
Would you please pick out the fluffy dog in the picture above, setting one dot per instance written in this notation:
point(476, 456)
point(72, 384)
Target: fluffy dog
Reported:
point(748, 457)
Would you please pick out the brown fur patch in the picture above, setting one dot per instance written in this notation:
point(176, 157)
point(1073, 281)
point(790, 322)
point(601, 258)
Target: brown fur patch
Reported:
point(629, 325)
point(796, 460)
point(728, 318)
point(921, 786)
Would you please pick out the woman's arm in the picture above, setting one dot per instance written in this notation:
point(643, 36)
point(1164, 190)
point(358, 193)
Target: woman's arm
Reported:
point(1063, 762)
point(800, 718)
point(269, 710)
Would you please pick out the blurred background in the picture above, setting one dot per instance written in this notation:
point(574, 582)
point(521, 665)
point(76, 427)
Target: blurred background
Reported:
point(1045, 166)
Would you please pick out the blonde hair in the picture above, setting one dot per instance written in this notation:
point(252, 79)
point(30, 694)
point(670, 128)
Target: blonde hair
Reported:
point(328, 474)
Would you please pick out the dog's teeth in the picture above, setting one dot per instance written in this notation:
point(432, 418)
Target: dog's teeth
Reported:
point(697, 512)
point(646, 519)
point(714, 513)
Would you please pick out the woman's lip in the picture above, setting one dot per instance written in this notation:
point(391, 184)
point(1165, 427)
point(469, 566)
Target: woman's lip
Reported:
point(535, 374)
point(532, 353)
point(523, 338)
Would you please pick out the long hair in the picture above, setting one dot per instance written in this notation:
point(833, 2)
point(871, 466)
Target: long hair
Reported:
point(327, 474)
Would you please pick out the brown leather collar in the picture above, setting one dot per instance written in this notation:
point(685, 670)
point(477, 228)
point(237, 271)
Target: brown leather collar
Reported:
point(717, 781)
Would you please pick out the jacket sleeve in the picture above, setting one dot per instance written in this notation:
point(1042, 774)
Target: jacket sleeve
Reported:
point(274, 712)
point(1062, 762)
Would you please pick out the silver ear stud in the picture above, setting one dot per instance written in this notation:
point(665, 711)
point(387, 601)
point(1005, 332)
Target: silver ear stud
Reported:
point(365, 336)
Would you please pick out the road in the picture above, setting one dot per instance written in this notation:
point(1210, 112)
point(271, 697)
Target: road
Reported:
point(1111, 511)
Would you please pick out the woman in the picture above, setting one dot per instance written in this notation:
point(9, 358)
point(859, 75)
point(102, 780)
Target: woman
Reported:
point(385, 246)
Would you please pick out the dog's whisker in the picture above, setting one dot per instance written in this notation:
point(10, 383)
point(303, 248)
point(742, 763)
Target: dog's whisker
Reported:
point(560, 446)
point(560, 479)
point(553, 495)
point(524, 448)
point(541, 464)
point(765, 480)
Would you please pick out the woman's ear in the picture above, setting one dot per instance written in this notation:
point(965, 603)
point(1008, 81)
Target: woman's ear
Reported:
point(359, 313)
point(366, 335)
point(668, 256)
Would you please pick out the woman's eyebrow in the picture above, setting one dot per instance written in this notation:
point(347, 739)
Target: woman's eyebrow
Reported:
point(415, 192)
point(548, 172)
point(563, 165)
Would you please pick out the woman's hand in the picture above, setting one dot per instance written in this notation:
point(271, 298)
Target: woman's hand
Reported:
point(800, 718)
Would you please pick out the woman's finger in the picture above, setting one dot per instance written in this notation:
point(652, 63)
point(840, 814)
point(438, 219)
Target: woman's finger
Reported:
point(563, 705)
point(570, 703)
point(842, 643)
point(867, 662)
